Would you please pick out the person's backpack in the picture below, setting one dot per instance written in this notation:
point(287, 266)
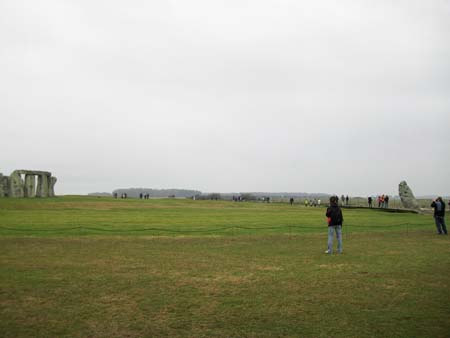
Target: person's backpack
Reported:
point(438, 206)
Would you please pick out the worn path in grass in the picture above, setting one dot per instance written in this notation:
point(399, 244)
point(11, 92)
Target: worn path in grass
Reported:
point(386, 284)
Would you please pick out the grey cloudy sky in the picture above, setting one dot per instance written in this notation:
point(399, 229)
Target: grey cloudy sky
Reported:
point(316, 96)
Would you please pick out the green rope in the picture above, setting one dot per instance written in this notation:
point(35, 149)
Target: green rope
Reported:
point(156, 229)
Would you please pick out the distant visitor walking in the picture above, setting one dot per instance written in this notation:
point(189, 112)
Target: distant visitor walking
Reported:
point(335, 221)
point(439, 215)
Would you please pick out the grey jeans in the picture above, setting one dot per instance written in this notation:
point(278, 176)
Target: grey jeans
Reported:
point(338, 230)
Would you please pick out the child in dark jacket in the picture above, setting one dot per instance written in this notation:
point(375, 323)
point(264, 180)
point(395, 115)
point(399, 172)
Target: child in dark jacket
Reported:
point(335, 220)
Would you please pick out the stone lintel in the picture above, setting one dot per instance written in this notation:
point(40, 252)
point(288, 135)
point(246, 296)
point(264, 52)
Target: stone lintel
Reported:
point(33, 172)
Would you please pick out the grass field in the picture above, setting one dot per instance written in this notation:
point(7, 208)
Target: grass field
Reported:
point(98, 267)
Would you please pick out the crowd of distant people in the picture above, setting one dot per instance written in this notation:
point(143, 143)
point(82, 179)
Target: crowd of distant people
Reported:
point(313, 202)
point(125, 195)
point(382, 200)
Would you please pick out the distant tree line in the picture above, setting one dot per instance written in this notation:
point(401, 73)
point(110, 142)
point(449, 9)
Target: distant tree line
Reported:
point(100, 194)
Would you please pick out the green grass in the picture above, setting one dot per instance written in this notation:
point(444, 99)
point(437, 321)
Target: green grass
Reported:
point(393, 279)
point(90, 215)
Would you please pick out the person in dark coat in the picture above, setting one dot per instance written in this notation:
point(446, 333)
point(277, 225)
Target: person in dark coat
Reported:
point(335, 221)
point(439, 215)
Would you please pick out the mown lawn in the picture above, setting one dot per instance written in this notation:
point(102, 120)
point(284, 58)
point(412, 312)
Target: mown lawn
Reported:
point(68, 216)
point(393, 279)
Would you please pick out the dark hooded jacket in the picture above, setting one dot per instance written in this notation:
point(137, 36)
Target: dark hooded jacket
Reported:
point(334, 214)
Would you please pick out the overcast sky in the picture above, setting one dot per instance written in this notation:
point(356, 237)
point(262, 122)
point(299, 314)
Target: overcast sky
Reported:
point(230, 96)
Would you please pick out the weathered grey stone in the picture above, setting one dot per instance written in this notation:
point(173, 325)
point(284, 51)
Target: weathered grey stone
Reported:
point(42, 187)
point(2, 189)
point(34, 172)
point(30, 185)
point(16, 184)
point(407, 196)
point(4, 183)
point(51, 190)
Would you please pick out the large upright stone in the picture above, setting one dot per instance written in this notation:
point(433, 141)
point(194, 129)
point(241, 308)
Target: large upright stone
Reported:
point(4, 183)
point(51, 190)
point(16, 184)
point(2, 189)
point(42, 187)
point(407, 196)
point(30, 185)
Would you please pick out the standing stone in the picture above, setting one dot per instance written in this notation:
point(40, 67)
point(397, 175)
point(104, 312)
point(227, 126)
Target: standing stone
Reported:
point(2, 190)
point(39, 186)
point(4, 183)
point(42, 188)
point(30, 186)
point(16, 185)
point(407, 196)
point(51, 190)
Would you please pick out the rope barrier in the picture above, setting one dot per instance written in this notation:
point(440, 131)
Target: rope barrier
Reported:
point(233, 227)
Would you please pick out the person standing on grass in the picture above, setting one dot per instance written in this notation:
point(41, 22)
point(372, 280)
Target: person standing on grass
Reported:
point(439, 215)
point(335, 220)
point(369, 201)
